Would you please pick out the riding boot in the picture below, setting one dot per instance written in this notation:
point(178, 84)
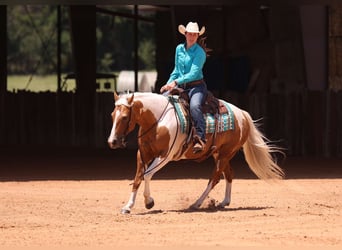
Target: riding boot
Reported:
point(199, 144)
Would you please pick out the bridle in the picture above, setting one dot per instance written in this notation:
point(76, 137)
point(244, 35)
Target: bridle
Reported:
point(124, 134)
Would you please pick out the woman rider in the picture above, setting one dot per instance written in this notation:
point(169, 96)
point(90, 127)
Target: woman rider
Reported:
point(188, 74)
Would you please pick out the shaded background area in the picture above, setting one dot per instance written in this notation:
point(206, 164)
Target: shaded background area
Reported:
point(26, 164)
point(280, 61)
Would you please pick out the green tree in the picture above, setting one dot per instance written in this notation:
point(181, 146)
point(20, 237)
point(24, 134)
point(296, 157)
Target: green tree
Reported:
point(32, 39)
point(115, 44)
point(147, 53)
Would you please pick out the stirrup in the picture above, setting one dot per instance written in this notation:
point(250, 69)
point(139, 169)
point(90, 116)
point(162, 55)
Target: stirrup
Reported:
point(198, 145)
point(197, 148)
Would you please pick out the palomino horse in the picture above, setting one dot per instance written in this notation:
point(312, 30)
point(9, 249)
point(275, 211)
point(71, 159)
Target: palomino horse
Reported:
point(160, 140)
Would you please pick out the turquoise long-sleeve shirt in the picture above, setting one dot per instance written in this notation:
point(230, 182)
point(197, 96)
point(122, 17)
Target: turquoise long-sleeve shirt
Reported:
point(188, 64)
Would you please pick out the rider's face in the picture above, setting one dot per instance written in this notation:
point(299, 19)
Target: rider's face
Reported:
point(191, 38)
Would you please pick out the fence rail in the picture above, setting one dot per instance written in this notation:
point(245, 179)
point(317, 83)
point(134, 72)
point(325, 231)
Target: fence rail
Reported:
point(305, 123)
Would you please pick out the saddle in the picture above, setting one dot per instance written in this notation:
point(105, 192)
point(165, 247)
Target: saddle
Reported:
point(211, 105)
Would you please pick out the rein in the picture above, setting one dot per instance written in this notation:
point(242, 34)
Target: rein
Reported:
point(147, 170)
point(156, 123)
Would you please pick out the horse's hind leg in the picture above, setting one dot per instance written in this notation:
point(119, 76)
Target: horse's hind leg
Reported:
point(200, 200)
point(215, 178)
point(222, 167)
point(228, 175)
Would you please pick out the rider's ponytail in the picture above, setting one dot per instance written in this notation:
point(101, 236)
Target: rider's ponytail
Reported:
point(203, 44)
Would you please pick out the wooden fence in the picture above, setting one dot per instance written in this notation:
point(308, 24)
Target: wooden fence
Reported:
point(305, 123)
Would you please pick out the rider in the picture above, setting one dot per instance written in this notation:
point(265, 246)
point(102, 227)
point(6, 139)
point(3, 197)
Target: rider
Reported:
point(187, 74)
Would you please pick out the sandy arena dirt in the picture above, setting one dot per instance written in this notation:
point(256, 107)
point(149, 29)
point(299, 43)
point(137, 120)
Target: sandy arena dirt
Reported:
point(72, 201)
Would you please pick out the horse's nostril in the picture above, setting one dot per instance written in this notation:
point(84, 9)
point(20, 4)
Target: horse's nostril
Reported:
point(112, 143)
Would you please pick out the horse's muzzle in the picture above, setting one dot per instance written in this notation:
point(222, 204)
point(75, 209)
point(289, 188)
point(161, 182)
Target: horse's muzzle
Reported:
point(117, 143)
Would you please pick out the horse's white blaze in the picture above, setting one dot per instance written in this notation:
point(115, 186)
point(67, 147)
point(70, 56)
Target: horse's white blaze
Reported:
point(112, 133)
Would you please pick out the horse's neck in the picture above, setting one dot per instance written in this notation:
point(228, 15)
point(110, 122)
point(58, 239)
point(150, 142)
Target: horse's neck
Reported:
point(151, 110)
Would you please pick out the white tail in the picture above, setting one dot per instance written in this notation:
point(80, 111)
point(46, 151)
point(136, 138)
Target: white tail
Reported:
point(257, 150)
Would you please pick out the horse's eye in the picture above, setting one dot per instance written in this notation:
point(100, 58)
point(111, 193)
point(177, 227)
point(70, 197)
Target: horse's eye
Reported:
point(125, 118)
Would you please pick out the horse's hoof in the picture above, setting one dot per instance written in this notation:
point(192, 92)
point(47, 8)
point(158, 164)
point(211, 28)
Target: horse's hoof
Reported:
point(194, 207)
point(125, 211)
point(222, 205)
point(150, 204)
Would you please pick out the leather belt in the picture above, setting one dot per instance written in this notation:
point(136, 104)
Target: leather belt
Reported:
point(192, 84)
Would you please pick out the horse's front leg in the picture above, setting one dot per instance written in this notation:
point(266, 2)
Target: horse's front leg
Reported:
point(156, 165)
point(129, 205)
point(149, 202)
point(137, 181)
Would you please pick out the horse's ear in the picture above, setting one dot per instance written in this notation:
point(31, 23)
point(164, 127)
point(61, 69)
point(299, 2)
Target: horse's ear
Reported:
point(130, 99)
point(116, 97)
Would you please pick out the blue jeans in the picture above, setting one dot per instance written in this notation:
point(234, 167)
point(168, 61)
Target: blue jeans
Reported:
point(197, 97)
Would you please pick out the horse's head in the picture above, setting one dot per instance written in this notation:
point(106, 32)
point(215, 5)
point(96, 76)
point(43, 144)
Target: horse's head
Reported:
point(122, 121)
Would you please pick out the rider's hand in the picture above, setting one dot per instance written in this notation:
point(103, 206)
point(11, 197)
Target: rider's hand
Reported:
point(168, 86)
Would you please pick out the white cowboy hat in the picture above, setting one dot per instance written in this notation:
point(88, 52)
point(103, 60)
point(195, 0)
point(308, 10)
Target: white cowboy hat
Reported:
point(191, 27)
